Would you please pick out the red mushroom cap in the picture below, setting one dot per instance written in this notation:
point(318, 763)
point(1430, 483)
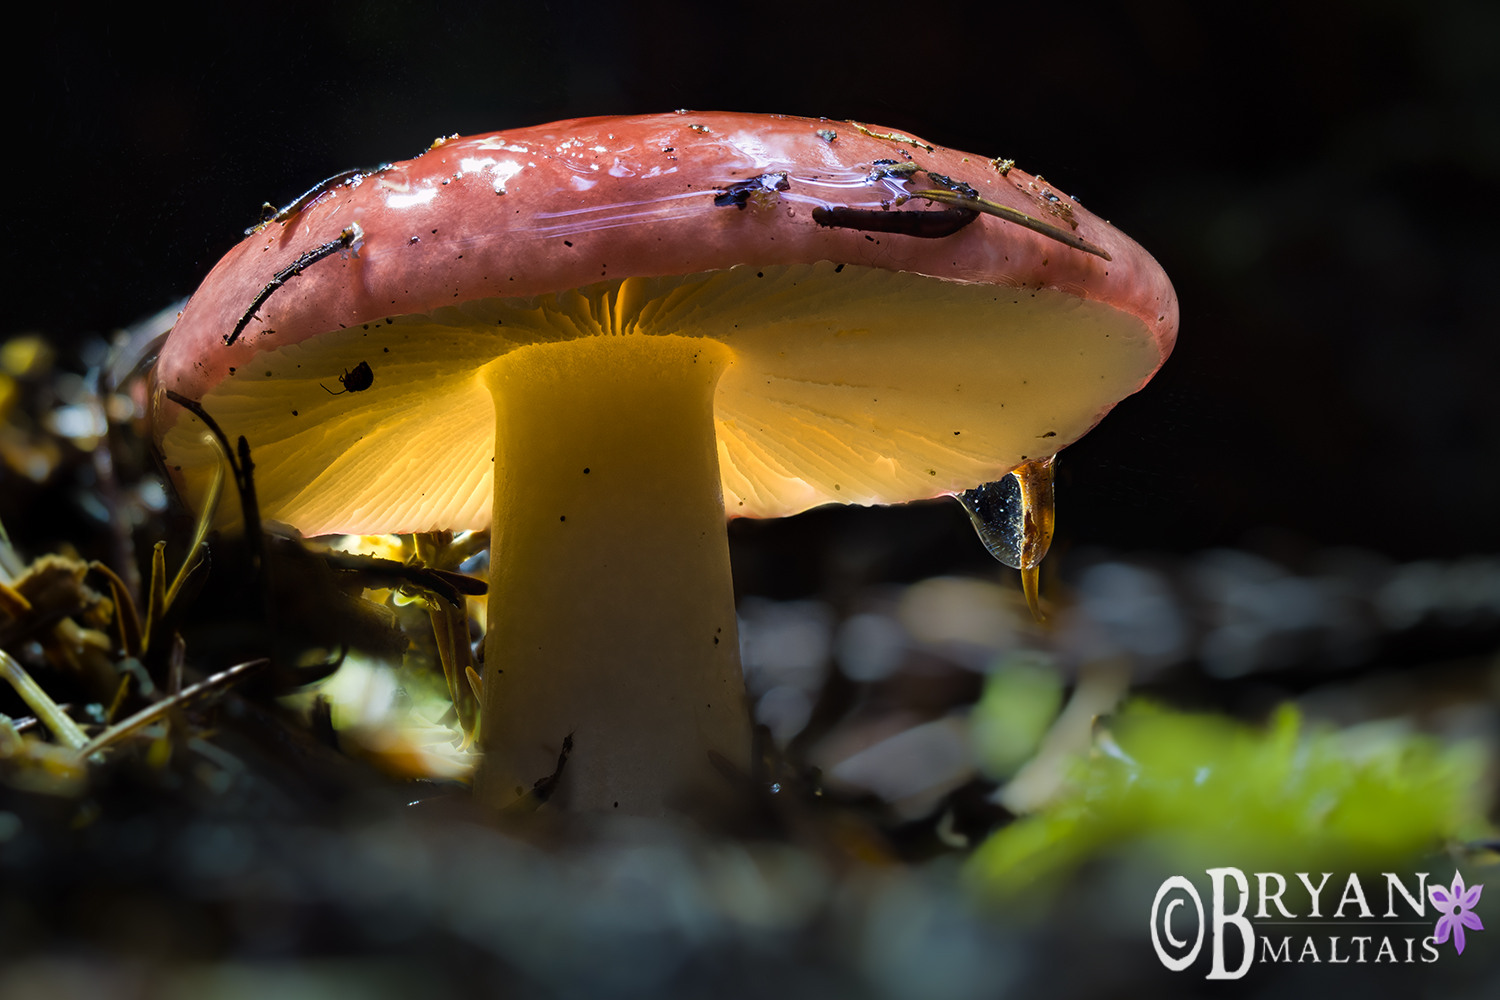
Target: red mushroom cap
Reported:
point(523, 213)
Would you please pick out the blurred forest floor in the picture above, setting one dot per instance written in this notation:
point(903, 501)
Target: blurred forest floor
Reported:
point(926, 752)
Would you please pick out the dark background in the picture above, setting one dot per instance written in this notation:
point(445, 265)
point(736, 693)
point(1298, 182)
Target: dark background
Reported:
point(1318, 179)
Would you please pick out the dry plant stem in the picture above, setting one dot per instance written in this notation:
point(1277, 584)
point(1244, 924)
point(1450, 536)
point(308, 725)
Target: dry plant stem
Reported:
point(119, 699)
point(205, 519)
point(156, 609)
point(450, 627)
point(53, 717)
point(450, 630)
point(126, 616)
point(11, 565)
point(611, 611)
point(244, 481)
point(135, 638)
point(456, 622)
point(146, 716)
point(12, 601)
point(1012, 215)
point(78, 649)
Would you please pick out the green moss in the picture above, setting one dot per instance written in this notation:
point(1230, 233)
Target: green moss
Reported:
point(1203, 789)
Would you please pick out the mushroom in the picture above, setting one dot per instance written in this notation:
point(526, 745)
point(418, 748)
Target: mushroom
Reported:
point(599, 337)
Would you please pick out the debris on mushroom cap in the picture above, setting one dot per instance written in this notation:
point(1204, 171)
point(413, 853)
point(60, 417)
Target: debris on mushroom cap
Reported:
point(871, 365)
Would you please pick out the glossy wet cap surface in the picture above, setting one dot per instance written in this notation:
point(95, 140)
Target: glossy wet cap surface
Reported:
point(876, 361)
point(530, 211)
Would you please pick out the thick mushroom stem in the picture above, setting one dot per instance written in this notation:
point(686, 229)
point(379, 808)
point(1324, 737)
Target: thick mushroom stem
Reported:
point(611, 609)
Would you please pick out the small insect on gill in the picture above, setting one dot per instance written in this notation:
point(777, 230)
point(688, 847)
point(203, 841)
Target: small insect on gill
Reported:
point(358, 380)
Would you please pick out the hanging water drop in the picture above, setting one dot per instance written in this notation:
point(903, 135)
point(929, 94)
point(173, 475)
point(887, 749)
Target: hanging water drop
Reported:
point(995, 509)
point(1014, 517)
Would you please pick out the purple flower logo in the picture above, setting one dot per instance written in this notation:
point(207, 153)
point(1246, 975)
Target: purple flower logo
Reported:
point(1457, 908)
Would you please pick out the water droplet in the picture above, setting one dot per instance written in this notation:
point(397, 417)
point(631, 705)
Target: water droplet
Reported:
point(1014, 517)
point(995, 509)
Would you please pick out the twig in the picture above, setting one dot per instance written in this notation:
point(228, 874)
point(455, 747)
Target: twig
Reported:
point(146, 716)
point(451, 587)
point(244, 482)
point(243, 469)
point(28, 722)
point(250, 504)
point(345, 240)
point(1009, 214)
point(307, 197)
point(196, 409)
point(890, 136)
